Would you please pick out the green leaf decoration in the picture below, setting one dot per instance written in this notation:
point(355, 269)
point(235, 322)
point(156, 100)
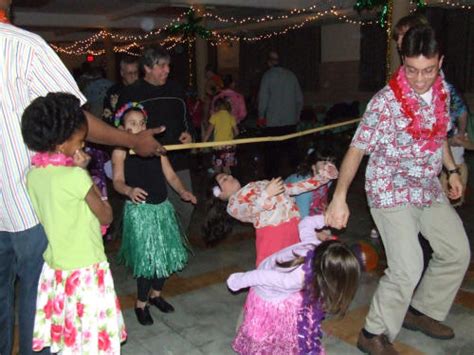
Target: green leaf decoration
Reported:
point(191, 28)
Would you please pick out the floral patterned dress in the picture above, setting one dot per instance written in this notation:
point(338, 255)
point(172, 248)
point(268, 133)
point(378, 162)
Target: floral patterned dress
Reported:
point(275, 218)
point(77, 311)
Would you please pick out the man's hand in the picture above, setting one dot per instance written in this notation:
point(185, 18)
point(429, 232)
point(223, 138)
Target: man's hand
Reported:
point(145, 145)
point(185, 138)
point(337, 214)
point(455, 186)
point(275, 187)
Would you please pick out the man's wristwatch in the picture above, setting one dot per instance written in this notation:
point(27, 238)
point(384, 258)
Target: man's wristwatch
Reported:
point(453, 171)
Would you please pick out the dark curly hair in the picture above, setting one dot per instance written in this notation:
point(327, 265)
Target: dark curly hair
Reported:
point(50, 120)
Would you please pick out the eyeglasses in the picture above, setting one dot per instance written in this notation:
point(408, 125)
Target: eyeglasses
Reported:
point(425, 73)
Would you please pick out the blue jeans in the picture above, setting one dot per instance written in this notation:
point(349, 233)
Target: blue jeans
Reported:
point(21, 257)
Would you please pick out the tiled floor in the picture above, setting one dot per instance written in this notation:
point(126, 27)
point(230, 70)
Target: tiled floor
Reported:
point(206, 312)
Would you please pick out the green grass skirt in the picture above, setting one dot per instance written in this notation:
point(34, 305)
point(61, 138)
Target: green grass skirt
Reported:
point(152, 241)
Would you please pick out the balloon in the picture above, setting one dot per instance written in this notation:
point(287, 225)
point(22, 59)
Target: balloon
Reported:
point(366, 254)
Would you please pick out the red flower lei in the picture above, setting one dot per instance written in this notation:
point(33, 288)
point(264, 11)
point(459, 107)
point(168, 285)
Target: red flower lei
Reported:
point(410, 107)
point(3, 17)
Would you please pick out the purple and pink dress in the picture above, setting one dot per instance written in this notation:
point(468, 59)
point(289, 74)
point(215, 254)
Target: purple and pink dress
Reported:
point(274, 305)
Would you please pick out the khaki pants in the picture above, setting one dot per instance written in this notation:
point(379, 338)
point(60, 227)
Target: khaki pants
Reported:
point(464, 175)
point(399, 228)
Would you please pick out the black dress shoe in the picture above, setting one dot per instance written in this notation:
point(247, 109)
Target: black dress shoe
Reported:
point(144, 316)
point(161, 304)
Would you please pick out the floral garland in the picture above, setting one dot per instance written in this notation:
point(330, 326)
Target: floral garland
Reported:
point(311, 314)
point(42, 160)
point(4, 17)
point(122, 110)
point(411, 108)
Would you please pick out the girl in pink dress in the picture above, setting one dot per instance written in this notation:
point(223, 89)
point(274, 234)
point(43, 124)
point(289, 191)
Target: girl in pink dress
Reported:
point(268, 205)
point(290, 293)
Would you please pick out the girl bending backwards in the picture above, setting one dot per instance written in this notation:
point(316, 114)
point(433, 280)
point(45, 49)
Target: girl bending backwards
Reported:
point(77, 311)
point(268, 205)
point(290, 293)
point(152, 241)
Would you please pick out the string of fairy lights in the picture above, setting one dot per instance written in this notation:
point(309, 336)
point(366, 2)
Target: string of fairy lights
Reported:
point(130, 44)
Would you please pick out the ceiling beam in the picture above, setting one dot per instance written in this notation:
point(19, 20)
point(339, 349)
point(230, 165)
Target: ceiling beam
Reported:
point(41, 19)
point(270, 4)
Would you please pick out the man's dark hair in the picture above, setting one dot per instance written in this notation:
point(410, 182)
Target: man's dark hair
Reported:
point(51, 120)
point(408, 22)
point(152, 55)
point(420, 40)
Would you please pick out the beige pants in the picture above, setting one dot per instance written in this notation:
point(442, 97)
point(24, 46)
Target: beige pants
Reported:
point(399, 228)
point(464, 175)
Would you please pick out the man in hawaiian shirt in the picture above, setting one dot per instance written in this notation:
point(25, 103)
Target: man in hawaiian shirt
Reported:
point(404, 132)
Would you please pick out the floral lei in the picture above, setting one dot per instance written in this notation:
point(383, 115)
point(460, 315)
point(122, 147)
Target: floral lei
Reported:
point(411, 108)
point(310, 315)
point(122, 110)
point(42, 160)
point(3, 17)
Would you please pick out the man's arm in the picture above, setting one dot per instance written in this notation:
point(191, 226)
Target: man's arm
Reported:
point(337, 213)
point(142, 143)
point(454, 180)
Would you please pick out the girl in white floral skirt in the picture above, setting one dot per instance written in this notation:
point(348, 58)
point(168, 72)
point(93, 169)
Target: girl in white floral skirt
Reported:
point(77, 310)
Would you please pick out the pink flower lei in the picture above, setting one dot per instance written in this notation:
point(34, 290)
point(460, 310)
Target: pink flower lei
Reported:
point(411, 107)
point(42, 160)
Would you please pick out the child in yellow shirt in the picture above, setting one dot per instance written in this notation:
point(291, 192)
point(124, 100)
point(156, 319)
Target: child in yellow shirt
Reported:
point(224, 126)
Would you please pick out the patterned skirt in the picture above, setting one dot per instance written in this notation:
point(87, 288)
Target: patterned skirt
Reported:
point(269, 327)
point(152, 241)
point(224, 157)
point(77, 311)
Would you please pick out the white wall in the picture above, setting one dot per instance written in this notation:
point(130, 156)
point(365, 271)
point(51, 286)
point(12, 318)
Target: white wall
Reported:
point(340, 43)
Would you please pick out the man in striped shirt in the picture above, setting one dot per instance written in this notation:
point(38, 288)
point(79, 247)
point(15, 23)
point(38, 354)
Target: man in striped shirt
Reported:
point(29, 68)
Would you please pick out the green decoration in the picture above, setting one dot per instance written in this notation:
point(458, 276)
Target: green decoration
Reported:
point(361, 5)
point(191, 28)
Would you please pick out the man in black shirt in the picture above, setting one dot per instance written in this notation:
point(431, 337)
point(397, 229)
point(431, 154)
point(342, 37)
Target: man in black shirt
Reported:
point(164, 101)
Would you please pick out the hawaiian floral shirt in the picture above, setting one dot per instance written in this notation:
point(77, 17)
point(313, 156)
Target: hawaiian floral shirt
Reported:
point(252, 203)
point(398, 172)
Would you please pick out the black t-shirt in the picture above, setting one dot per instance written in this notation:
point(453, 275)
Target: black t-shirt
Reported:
point(147, 174)
point(165, 106)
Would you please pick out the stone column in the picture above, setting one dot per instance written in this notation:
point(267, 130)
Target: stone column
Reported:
point(110, 59)
point(200, 57)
